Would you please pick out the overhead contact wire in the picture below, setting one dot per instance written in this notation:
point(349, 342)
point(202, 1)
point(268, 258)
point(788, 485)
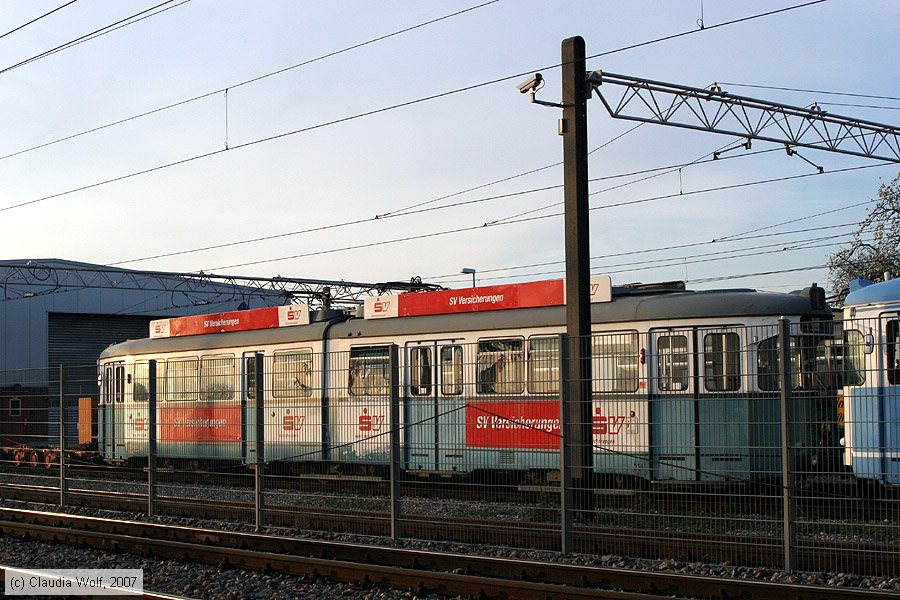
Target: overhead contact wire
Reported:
point(247, 81)
point(36, 19)
point(370, 112)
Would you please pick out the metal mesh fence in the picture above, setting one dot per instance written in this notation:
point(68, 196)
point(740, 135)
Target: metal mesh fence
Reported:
point(770, 445)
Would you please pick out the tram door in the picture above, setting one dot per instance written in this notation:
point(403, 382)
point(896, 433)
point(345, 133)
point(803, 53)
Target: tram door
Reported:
point(433, 406)
point(113, 410)
point(889, 392)
point(248, 406)
point(105, 409)
point(723, 411)
point(421, 407)
point(673, 405)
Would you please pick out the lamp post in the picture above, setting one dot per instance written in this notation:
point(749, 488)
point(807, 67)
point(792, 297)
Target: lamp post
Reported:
point(469, 271)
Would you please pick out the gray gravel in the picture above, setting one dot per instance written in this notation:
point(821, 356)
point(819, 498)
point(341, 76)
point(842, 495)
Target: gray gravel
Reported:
point(189, 579)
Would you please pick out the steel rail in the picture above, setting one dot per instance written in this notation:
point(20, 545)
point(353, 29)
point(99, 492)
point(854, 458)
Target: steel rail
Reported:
point(364, 573)
point(276, 552)
point(874, 557)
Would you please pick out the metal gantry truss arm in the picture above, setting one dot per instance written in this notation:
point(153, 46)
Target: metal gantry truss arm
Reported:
point(750, 118)
point(32, 278)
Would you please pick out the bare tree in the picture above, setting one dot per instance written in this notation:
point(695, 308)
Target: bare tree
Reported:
point(875, 248)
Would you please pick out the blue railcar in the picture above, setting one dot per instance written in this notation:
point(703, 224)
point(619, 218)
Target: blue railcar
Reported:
point(871, 378)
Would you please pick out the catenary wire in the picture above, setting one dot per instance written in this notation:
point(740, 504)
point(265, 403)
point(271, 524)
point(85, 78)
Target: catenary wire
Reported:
point(797, 220)
point(673, 169)
point(97, 33)
point(706, 28)
point(366, 114)
point(759, 274)
point(859, 105)
point(36, 19)
point(791, 89)
point(247, 81)
point(275, 137)
point(668, 263)
point(664, 263)
point(408, 211)
point(661, 249)
point(405, 210)
point(541, 217)
point(667, 171)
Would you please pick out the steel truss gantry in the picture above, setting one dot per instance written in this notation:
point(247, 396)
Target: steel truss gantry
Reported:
point(717, 111)
point(33, 278)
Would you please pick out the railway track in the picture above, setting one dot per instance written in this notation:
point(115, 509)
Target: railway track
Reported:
point(874, 558)
point(841, 500)
point(423, 571)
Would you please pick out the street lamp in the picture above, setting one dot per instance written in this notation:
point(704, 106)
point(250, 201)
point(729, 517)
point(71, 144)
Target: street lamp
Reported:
point(469, 271)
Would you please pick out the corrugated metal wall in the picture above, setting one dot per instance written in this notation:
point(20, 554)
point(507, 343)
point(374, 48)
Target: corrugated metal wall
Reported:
point(76, 340)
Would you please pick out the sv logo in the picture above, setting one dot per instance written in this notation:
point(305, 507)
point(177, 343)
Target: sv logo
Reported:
point(369, 422)
point(603, 425)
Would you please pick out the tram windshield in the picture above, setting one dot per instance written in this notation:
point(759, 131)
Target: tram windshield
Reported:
point(850, 359)
point(811, 359)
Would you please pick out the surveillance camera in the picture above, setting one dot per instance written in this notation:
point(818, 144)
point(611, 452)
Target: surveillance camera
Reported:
point(530, 84)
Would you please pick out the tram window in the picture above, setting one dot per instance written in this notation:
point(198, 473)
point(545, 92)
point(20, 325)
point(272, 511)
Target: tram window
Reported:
point(722, 360)
point(811, 367)
point(451, 370)
point(893, 352)
point(181, 380)
point(141, 390)
point(615, 363)
point(673, 362)
point(292, 372)
point(767, 362)
point(543, 365)
point(250, 376)
point(217, 377)
point(420, 371)
point(501, 367)
point(120, 384)
point(369, 372)
point(15, 406)
point(107, 386)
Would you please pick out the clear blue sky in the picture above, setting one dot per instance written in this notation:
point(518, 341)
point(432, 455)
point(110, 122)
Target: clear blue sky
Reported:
point(347, 172)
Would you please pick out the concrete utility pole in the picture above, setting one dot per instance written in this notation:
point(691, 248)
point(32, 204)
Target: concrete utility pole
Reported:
point(577, 409)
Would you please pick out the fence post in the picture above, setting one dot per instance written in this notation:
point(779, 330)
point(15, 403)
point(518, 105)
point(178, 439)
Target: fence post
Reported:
point(396, 451)
point(789, 506)
point(151, 438)
point(63, 488)
point(260, 433)
point(566, 498)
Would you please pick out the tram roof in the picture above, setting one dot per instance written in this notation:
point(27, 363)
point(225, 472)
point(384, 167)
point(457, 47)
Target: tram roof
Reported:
point(875, 293)
point(673, 307)
point(670, 306)
point(211, 341)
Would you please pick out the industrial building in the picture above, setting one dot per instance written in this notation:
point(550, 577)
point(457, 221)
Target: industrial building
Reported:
point(59, 312)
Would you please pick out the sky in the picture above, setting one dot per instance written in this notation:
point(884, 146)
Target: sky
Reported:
point(304, 159)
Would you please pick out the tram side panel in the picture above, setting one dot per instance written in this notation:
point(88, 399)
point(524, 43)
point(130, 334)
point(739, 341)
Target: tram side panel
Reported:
point(359, 404)
point(620, 415)
point(293, 404)
point(871, 374)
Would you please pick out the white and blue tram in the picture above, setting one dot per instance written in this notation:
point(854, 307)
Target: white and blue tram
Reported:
point(871, 381)
point(685, 385)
